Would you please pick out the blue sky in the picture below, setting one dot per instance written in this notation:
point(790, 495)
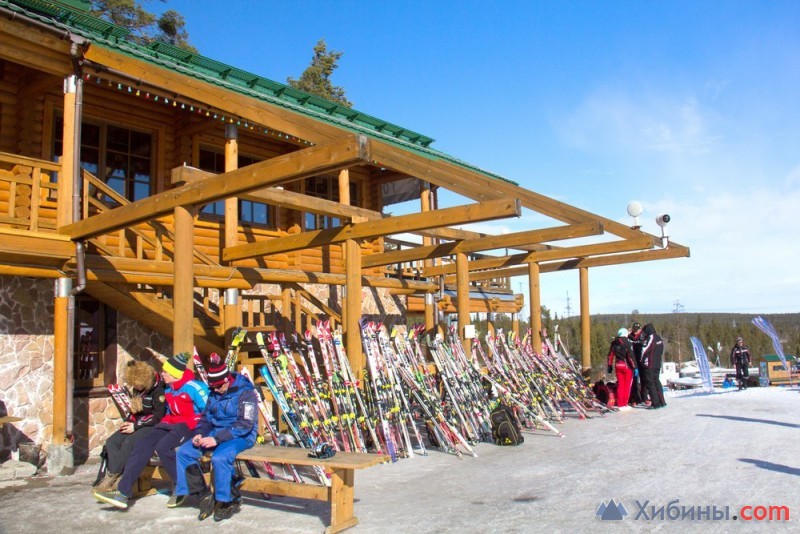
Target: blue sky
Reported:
point(691, 108)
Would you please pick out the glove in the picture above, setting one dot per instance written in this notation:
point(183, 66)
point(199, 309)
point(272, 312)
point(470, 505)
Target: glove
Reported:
point(608, 369)
point(636, 373)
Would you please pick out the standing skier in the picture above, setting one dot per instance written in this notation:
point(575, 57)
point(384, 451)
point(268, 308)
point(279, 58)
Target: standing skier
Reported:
point(186, 399)
point(740, 359)
point(638, 392)
point(147, 409)
point(228, 426)
point(652, 354)
point(620, 359)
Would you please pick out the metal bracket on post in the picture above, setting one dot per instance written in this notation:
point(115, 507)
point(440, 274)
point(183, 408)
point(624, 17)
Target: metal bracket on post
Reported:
point(231, 296)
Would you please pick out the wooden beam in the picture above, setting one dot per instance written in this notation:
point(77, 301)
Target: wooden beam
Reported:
point(254, 108)
point(490, 242)
point(287, 167)
point(481, 187)
point(283, 198)
point(597, 261)
point(125, 270)
point(486, 211)
point(562, 253)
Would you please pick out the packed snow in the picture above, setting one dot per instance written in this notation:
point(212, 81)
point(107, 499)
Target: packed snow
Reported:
point(728, 452)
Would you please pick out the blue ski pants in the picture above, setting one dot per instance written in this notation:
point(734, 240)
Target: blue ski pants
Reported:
point(223, 459)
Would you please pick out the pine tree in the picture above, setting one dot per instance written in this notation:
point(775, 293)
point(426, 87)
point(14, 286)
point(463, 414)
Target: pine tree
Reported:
point(315, 80)
point(144, 26)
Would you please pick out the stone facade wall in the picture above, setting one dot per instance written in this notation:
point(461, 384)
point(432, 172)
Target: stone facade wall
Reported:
point(26, 360)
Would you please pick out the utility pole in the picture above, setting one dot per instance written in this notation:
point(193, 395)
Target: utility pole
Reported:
point(569, 308)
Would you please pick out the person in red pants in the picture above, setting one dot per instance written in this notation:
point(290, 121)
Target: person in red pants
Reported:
point(620, 359)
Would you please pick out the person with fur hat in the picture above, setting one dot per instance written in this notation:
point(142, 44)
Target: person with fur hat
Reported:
point(740, 360)
point(621, 360)
point(146, 392)
point(652, 355)
point(228, 426)
point(186, 399)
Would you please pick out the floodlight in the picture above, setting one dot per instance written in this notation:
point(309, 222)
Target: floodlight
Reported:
point(634, 210)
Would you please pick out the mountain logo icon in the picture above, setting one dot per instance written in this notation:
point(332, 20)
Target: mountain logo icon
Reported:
point(611, 511)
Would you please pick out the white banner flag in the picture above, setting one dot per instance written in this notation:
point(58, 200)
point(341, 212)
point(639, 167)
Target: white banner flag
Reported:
point(702, 364)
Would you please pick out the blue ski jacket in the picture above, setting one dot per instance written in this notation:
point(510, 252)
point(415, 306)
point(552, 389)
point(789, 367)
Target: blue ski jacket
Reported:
point(232, 414)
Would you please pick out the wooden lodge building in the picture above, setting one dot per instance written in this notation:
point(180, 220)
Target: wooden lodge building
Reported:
point(152, 200)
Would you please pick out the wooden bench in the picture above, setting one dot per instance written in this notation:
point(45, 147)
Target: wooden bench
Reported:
point(339, 495)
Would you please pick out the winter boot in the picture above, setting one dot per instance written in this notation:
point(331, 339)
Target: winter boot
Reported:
point(176, 500)
point(206, 504)
point(225, 510)
point(108, 483)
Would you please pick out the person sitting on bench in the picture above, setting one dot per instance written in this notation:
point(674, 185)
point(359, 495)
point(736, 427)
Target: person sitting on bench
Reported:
point(228, 426)
point(186, 399)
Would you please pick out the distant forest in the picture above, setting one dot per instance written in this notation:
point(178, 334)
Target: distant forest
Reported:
point(676, 329)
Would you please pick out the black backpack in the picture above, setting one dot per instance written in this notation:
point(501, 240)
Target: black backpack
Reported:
point(505, 429)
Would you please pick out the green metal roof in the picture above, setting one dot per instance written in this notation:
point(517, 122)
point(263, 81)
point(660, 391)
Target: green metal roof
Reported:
point(776, 358)
point(105, 34)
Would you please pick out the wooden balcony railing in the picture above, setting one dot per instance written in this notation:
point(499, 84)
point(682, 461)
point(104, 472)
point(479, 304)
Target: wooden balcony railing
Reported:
point(28, 192)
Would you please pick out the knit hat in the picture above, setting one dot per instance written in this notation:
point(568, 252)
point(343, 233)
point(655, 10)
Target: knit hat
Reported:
point(622, 332)
point(218, 372)
point(176, 365)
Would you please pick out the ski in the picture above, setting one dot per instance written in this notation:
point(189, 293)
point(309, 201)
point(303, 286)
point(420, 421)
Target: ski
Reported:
point(233, 349)
point(292, 416)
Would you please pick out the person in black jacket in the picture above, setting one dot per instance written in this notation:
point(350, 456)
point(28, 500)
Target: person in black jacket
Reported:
point(146, 391)
point(652, 354)
point(740, 359)
point(638, 392)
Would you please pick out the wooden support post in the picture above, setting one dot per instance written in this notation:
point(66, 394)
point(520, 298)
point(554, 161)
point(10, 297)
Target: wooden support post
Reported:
point(462, 297)
point(298, 313)
point(515, 324)
point(490, 324)
point(344, 187)
point(232, 318)
point(183, 290)
point(68, 140)
point(60, 353)
point(352, 313)
point(430, 304)
point(586, 331)
point(535, 298)
point(286, 309)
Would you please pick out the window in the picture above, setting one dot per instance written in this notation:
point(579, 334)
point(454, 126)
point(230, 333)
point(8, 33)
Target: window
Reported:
point(328, 188)
point(95, 343)
point(249, 211)
point(120, 157)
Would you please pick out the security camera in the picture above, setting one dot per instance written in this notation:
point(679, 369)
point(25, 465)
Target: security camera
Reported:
point(662, 221)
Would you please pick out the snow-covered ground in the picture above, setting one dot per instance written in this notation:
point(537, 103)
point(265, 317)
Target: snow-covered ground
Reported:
point(734, 451)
